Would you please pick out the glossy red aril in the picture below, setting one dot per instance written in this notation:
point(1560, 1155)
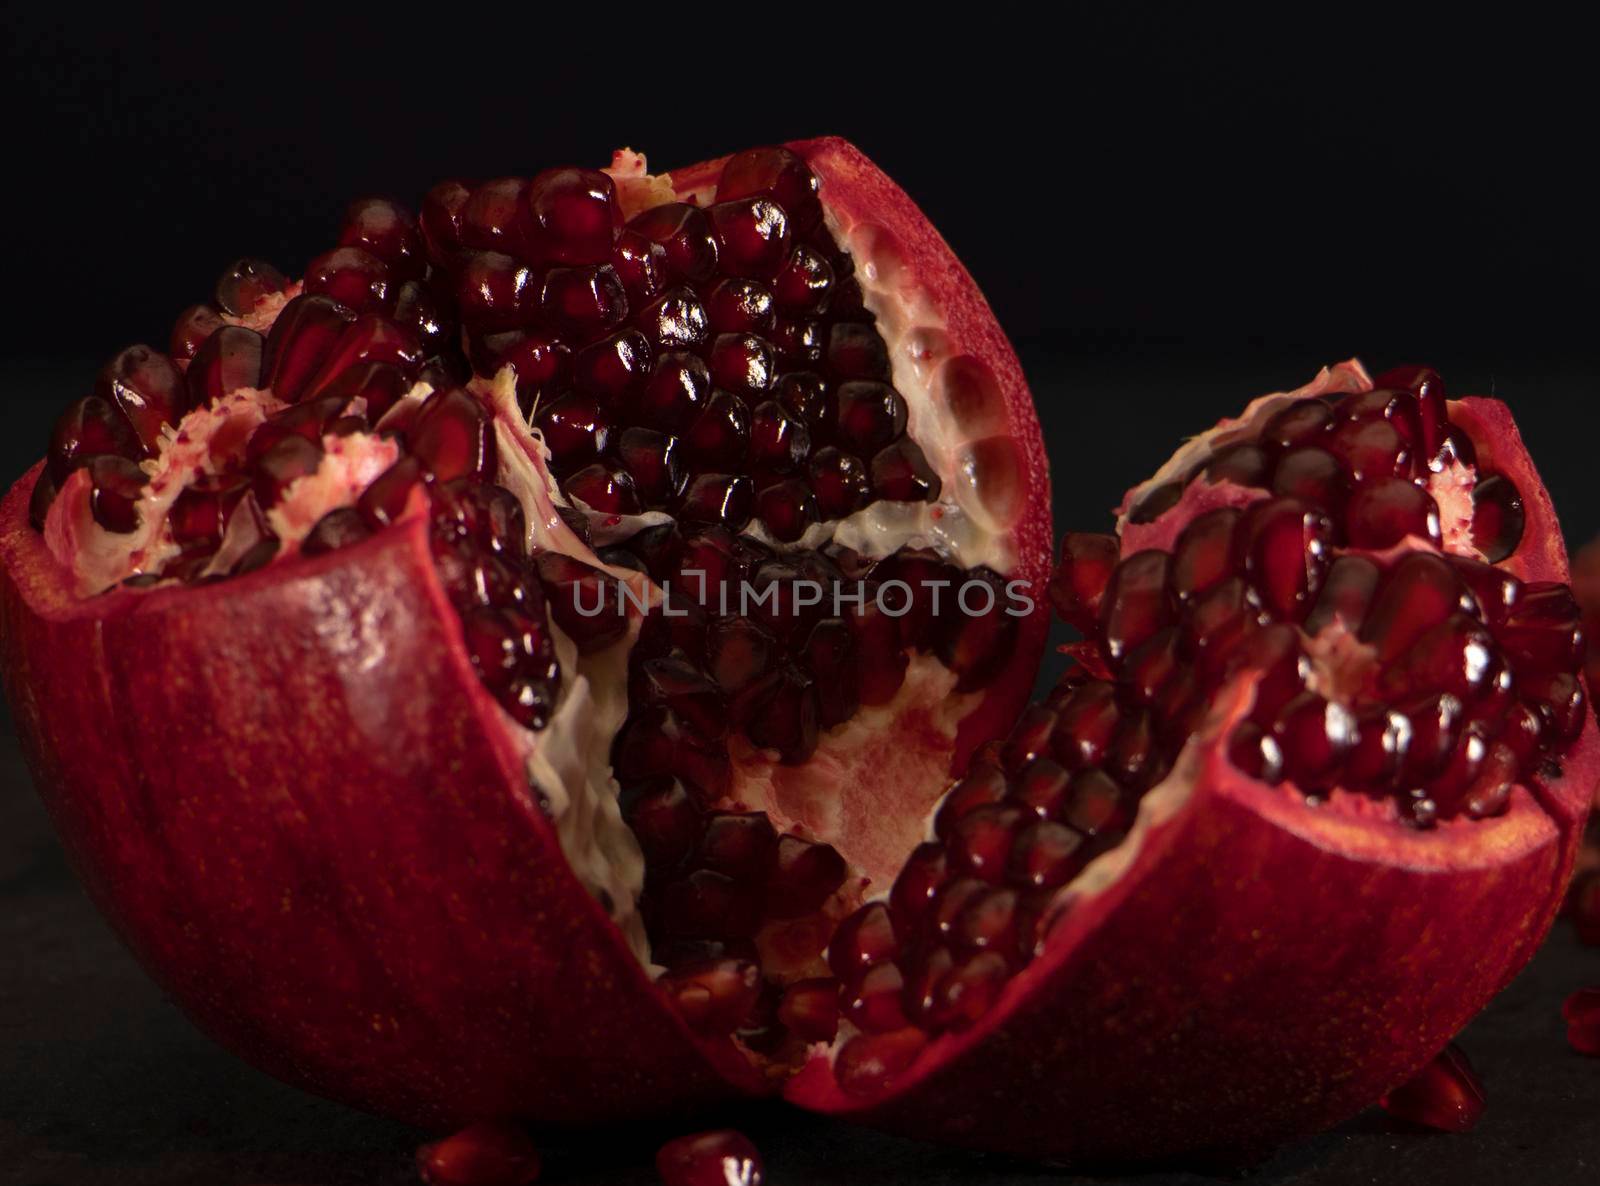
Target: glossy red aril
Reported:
point(1447, 1095)
point(722, 1157)
point(489, 1153)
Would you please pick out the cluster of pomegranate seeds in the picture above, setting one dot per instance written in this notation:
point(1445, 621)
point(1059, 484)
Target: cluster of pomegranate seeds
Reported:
point(777, 676)
point(1366, 461)
point(1465, 679)
point(489, 1153)
point(1446, 1094)
point(1581, 1011)
point(716, 363)
point(969, 908)
point(722, 1157)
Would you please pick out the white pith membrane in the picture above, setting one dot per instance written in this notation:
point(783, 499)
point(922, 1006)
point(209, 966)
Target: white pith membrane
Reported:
point(1341, 666)
point(906, 743)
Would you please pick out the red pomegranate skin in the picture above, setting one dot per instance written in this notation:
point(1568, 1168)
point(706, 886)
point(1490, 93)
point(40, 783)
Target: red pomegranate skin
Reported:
point(1259, 971)
point(297, 804)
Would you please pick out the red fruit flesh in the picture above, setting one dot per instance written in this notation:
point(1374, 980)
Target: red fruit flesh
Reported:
point(354, 546)
point(1141, 903)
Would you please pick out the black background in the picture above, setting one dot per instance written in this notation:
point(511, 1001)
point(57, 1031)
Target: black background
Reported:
point(1168, 216)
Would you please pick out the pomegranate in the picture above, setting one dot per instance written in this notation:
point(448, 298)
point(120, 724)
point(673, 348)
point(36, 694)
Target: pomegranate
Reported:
point(476, 677)
point(447, 708)
point(1308, 800)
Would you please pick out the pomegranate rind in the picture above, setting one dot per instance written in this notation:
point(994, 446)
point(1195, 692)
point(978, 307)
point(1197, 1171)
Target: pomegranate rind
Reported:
point(348, 882)
point(1245, 968)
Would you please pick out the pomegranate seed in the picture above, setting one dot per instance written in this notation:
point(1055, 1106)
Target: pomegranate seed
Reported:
point(867, 416)
point(1313, 476)
point(1435, 728)
point(719, 438)
point(246, 283)
point(804, 876)
point(720, 1158)
point(286, 460)
point(718, 499)
point(1281, 546)
point(1425, 384)
point(900, 473)
point(454, 437)
point(1303, 422)
point(1095, 806)
point(490, 1153)
point(440, 220)
point(865, 938)
point(583, 601)
point(576, 432)
point(1581, 1011)
point(495, 291)
point(641, 266)
point(743, 846)
point(674, 321)
point(777, 173)
point(857, 351)
point(1543, 631)
point(115, 486)
point(229, 360)
point(368, 339)
point(980, 788)
point(1369, 450)
point(613, 366)
point(752, 236)
point(804, 282)
point(1384, 511)
point(675, 393)
point(1495, 591)
point(575, 217)
point(779, 712)
point(667, 824)
point(980, 842)
point(839, 481)
point(1081, 576)
point(869, 1063)
point(300, 342)
point(1219, 623)
point(1202, 555)
point(353, 277)
point(1420, 592)
point(788, 509)
point(1559, 699)
point(883, 660)
point(738, 652)
point(742, 364)
point(1243, 464)
point(1345, 596)
point(714, 996)
point(194, 325)
point(735, 306)
point(489, 517)
point(494, 218)
point(383, 502)
point(779, 441)
point(1046, 855)
point(709, 905)
point(1282, 669)
point(1383, 736)
point(651, 459)
point(1135, 603)
point(1446, 1094)
point(830, 655)
point(871, 999)
point(337, 529)
point(964, 991)
point(810, 1008)
point(386, 230)
point(1086, 723)
point(685, 233)
point(919, 880)
point(1314, 735)
point(1453, 657)
point(90, 427)
point(147, 388)
point(379, 384)
point(1498, 519)
point(797, 341)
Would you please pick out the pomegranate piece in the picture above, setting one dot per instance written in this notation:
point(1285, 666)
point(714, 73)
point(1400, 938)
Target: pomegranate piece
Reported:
point(721, 1157)
point(489, 1153)
point(435, 607)
point(1446, 1095)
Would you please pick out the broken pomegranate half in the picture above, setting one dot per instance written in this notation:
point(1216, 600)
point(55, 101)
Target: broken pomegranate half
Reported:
point(1309, 799)
point(477, 676)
